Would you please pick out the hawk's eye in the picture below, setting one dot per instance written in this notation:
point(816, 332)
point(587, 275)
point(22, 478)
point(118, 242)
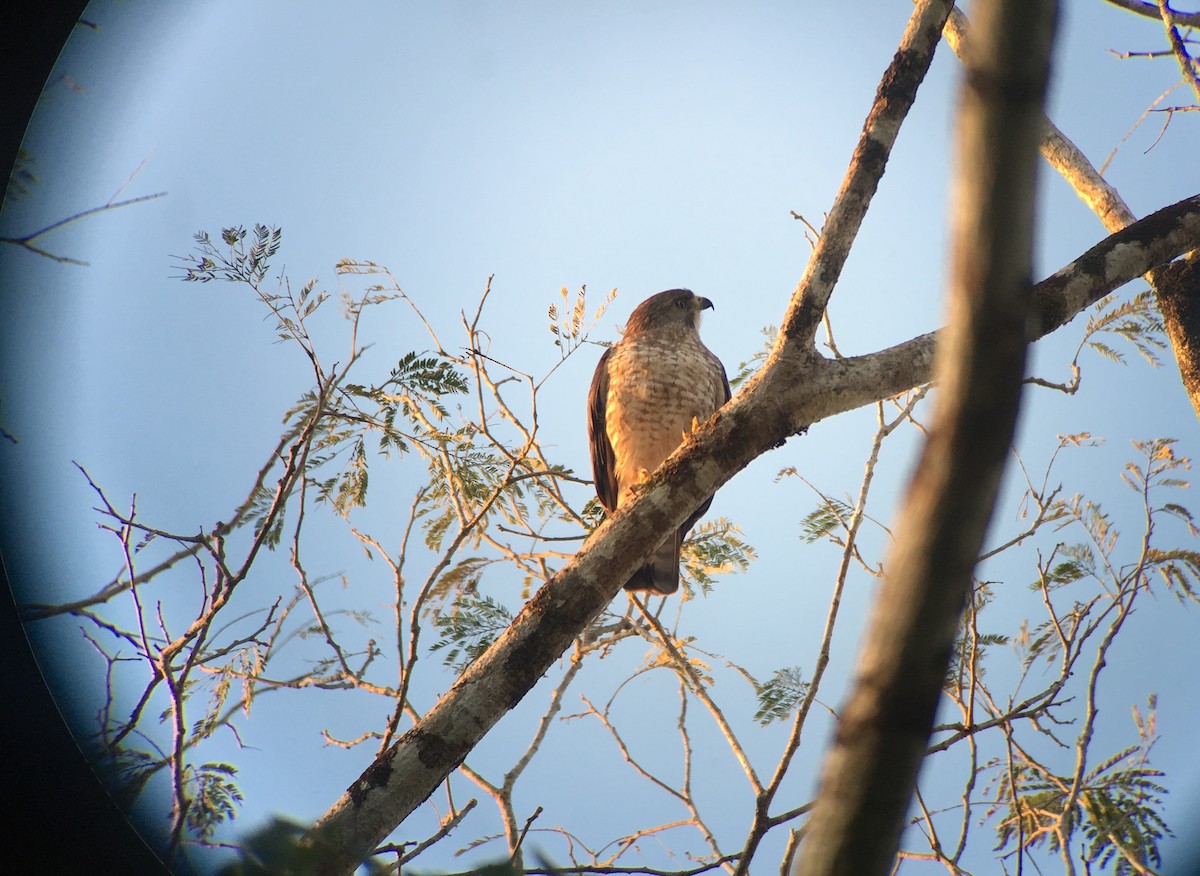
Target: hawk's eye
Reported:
point(681, 303)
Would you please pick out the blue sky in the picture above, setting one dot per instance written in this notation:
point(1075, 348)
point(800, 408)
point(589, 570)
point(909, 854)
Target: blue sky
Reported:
point(614, 145)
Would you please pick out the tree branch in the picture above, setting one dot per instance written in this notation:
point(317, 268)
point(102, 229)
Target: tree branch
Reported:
point(870, 773)
point(26, 241)
point(893, 99)
point(1150, 10)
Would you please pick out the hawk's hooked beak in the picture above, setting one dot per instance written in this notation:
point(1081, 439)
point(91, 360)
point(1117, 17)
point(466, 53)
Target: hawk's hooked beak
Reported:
point(704, 304)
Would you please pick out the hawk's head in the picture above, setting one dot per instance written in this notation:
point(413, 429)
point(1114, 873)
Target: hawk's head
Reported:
point(674, 307)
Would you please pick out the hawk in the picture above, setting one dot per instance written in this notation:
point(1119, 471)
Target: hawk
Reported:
point(649, 391)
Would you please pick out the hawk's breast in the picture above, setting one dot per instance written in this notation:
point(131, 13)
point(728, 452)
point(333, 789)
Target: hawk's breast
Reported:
point(656, 388)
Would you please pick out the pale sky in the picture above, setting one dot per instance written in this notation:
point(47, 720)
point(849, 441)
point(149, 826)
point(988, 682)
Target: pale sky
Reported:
point(609, 145)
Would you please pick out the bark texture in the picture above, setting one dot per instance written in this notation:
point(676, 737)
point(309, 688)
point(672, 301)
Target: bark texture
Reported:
point(870, 772)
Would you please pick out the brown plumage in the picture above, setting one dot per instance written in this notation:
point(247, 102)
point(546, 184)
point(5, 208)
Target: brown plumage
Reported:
point(648, 390)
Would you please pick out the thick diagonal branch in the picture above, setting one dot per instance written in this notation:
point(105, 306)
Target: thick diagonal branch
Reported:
point(893, 99)
point(869, 775)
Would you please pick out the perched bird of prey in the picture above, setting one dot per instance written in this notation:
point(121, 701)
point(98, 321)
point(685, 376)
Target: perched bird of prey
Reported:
point(649, 391)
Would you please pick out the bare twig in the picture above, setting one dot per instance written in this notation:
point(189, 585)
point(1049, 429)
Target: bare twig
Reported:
point(1187, 64)
point(27, 241)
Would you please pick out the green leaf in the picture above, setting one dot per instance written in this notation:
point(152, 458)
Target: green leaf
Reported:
point(779, 695)
point(215, 797)
point(469, 628)
point(746, 370)
point(827, 521)
point(715, 547)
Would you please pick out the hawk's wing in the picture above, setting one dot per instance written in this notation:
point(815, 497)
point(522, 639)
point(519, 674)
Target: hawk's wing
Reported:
point(699, 512)
point(604, 464)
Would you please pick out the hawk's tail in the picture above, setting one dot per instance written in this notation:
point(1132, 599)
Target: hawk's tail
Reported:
point(661, 574)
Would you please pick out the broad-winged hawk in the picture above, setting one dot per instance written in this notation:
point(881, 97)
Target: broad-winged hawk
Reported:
point(650, 389)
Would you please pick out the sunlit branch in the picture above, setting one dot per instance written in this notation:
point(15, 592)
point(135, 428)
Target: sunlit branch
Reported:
point(893, 99)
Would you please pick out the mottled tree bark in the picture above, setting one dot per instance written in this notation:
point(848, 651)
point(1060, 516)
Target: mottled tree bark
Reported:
point(1177, 288)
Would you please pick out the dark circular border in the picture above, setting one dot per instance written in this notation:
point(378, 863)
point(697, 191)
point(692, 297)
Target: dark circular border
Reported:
point(60, 818)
